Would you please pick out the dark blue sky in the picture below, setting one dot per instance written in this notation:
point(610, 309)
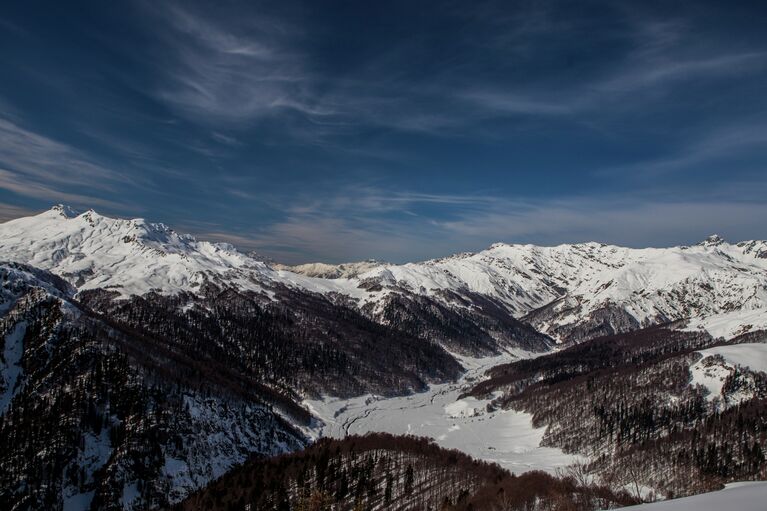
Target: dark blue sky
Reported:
point(396, 130)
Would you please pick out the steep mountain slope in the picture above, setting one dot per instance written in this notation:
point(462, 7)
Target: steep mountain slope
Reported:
point(94, 414)
point(298, 344)
point(571, 292)
point(132, 257)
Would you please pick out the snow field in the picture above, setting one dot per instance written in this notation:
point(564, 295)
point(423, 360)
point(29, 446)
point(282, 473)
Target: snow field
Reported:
point(506, 437)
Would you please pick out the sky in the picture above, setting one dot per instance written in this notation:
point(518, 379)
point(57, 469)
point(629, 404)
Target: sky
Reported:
point(339, 131)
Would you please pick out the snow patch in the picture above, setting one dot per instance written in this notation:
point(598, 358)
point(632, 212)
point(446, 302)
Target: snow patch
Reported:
point(711, 372)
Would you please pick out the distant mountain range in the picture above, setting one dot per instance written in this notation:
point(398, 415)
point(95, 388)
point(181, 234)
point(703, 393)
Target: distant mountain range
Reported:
point(139, 364)
point(570, 292)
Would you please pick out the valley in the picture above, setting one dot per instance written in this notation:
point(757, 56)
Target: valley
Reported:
point(186, 360)
point(506, 437)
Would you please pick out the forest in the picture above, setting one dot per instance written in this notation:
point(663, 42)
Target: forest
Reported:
point(628, 401)
point(382, 471)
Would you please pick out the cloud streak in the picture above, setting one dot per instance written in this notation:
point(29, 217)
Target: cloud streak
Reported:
point(376, 224)
point(219, 70)
point(717, 146)
point(39, 167)
point(229, 72)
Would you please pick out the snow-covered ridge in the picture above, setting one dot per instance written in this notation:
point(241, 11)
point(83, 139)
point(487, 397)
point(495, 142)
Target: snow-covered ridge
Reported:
point(563, 286)
point(573, 282)
point(131, 256)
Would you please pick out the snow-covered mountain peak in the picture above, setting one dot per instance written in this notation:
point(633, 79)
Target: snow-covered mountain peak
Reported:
point(332, 271)
point(131, 256)
point(713, 240)
point(63, 211)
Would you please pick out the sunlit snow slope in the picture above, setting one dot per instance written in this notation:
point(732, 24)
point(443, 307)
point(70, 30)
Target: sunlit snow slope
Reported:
point(562, 288)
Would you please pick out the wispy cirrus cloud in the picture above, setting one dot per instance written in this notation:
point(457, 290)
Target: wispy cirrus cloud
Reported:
point(19, 185)
point(218, 70)
point(40, 167)
point(229, 70)
point(406, 226)
point(662, 57)
point(715, 146)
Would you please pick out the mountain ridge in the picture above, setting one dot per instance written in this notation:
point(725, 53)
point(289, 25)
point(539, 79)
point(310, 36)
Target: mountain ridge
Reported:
point(571, 292)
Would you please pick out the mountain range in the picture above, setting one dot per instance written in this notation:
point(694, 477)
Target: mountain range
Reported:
point(140, 364)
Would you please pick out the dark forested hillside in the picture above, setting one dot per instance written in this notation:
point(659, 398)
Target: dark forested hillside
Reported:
point(381, 471)
point(94, 413)
point(134, 402)
point(627, 401)
point(472, 324)
point(301, 344)
point(604, 353)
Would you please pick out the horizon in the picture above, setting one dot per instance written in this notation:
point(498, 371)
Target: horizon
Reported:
point(341, 132)
point(68, 210)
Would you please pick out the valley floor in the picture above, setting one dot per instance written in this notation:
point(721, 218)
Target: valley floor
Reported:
point(506, 437)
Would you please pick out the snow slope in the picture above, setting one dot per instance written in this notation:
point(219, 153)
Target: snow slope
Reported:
point(331, 271)
point(712, 372)
point(652, 285)
point(730, 324)
point(746, 496)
